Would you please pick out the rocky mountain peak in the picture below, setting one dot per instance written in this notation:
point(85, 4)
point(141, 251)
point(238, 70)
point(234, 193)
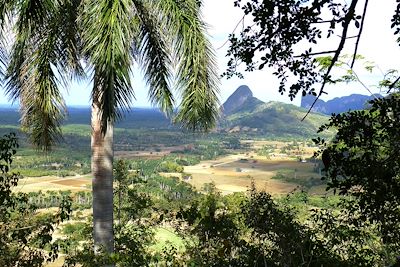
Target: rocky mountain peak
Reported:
point(237, 99)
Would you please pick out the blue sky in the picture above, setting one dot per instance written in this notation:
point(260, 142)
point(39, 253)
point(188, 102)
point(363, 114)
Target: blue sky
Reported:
point(377, 45)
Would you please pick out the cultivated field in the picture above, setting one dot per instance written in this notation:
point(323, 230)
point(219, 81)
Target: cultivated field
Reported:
point(230, 173)
point(157, 152)
point(234, 173)
point(53, 183)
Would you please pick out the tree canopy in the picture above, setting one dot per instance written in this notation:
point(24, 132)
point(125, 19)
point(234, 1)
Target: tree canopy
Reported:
point(44, 44)
point(287, 36)
point(362, 161)
point(26, 236)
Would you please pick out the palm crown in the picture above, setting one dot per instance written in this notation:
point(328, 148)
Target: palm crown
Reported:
point(51, 40)
point(48, 43)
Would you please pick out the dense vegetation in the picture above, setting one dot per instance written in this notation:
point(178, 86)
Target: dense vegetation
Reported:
point(208, 229)
point(25, 234)
point(359, 226)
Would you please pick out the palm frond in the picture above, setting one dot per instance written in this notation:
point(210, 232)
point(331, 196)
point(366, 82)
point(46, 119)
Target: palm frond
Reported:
point(33, 14)
point(197, 79)
point(69, 45)
point(154, 56)
point(3, 60)
point(107, 37)
point(33, 74)
point(6, 8)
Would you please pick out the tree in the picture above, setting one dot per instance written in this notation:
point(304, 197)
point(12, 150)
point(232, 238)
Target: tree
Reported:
point(362, 161)
point(121, 174)
point(286, 35)
point(53, 39)
point(25, 234)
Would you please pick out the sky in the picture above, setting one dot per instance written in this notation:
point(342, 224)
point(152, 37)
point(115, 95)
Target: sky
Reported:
point(377, 45)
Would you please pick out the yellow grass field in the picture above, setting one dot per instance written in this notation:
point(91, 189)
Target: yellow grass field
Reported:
point(234, 173)
point(230, 173)
point(53, 183)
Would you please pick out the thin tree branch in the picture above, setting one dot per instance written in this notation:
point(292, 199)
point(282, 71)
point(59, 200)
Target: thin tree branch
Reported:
point(317, 53)
point(237, 25)
point(326, 21)
point(351, 37)
point(361, 82)
point(359, 34)
point(335, 58)
point(393, 84)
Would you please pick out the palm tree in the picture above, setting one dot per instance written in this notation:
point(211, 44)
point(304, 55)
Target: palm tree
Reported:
point(51, 40)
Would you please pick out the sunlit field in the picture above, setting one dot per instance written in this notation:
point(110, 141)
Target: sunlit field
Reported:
point(54, 183)
point(234, 173)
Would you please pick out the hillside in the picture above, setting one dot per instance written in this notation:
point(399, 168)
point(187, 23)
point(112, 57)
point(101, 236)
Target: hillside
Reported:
point(272, 119)
point(275, 119)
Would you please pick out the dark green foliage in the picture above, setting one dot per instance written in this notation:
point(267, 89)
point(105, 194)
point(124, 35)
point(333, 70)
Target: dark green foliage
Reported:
point(278, 239)
point(363, 161)
point(121, 178)
point(285, 34)
point(133, 233)
point(343, 232)
point(255, 230)
point(25, 234)
point(216, 235)
point(206, 148)
point(132, 243)
point(77, 231)
point(232, 142)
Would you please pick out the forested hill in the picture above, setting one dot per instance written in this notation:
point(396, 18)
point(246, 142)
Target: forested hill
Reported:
point(245, 113)
point(275, 119)
point(240, 99)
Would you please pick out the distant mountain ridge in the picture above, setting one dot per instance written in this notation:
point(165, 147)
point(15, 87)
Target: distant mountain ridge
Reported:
point(135, 118)
point(338, 104)
point(241, 113)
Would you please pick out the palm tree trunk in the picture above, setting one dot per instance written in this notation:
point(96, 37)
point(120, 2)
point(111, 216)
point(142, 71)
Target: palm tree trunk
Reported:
point(102, 165)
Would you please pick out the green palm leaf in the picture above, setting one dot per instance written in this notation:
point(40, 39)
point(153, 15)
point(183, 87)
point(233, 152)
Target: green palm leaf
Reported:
point(38, 65)
point(153, 53)
point(107, 39)
point(197, 79)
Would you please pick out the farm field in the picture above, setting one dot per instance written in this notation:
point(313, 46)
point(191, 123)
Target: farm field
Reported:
point(278, 173)
point(234, 173)
point(54, 183)
point(158, 151)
